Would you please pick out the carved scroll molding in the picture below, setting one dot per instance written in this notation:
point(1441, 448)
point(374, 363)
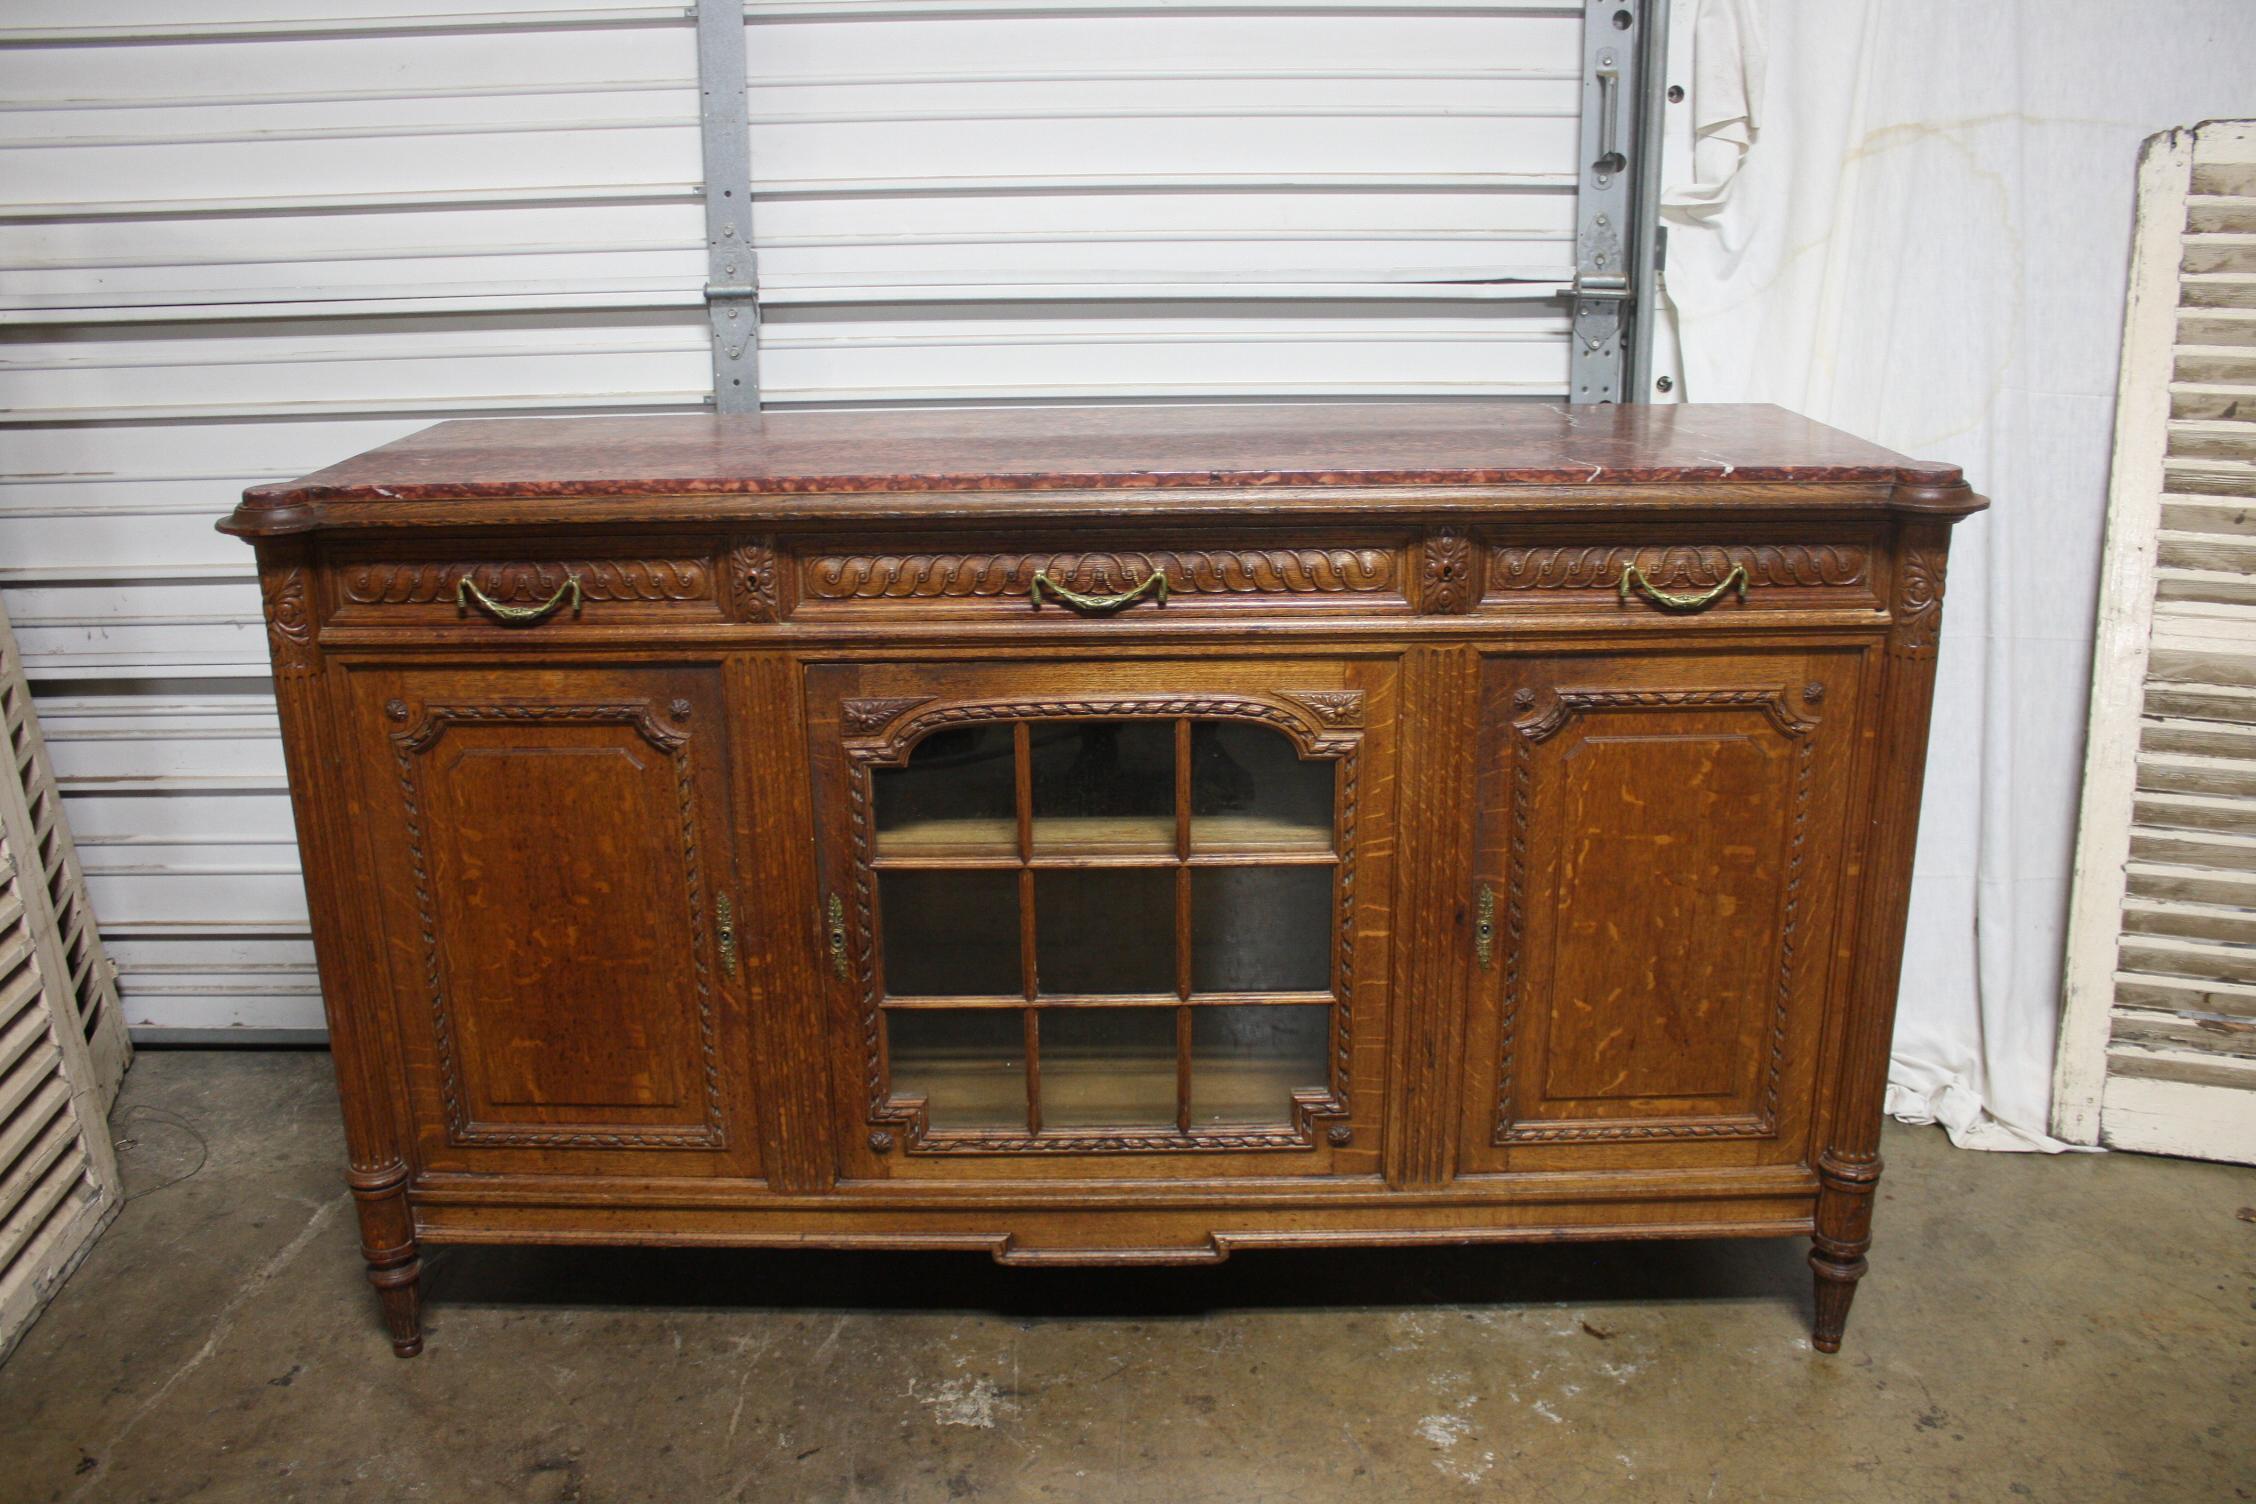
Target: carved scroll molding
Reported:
point(1701, 567)
point(514, 582)
point(904, 727)
point(1445, 573)
point(955, 576)
point(408, 748)
point(1536, 727)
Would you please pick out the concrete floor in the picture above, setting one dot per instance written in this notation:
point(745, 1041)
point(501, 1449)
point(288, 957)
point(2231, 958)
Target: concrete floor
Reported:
point(2045, 1329)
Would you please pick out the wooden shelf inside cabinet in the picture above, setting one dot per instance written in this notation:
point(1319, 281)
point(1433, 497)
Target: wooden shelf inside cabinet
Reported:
point(1525, 856)
point(1067, 839)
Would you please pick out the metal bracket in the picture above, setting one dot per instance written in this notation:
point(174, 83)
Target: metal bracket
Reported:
point(732, 278)
point(1618, 135)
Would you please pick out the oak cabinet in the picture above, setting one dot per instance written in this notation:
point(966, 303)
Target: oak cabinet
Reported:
point(1112, 835)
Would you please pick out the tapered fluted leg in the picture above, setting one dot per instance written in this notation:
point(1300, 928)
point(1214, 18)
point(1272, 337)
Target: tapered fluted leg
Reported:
point(1838, 1246)
point(387, 1242)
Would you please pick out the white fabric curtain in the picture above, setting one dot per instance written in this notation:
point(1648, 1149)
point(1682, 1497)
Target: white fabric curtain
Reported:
point(1911, 219)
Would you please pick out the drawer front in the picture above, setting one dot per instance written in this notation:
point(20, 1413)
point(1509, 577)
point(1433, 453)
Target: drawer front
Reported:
point(544, 586)
point(954, 577)
point(1637, 577)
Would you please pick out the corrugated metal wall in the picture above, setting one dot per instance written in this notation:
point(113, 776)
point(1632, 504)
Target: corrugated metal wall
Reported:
point(244, 238)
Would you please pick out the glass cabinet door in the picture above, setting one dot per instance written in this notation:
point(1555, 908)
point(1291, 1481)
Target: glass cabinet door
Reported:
point(1099, 923)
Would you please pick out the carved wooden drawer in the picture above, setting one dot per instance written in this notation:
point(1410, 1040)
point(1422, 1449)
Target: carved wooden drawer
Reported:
point(552, 589)
point(1640, 576)
point(954, 576)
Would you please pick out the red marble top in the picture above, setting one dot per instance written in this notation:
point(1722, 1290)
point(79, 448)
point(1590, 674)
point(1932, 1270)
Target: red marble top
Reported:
point(1079, 448)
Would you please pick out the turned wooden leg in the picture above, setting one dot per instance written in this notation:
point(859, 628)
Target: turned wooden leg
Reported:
point(387, 1242)
point(1839, 1243)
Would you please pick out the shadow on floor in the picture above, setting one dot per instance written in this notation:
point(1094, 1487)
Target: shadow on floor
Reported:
point(1642, 1273)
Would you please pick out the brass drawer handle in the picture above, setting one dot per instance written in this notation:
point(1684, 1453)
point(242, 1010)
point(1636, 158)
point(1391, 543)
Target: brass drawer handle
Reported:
point(1154, 585)
point(837, 936)
point(724, 913)
point(1634, 579)
point(1484, 928)
point(466, 590)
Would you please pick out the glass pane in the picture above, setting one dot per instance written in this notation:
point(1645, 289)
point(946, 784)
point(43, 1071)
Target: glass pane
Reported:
point(1104, 787)
point(957, 797)
point(1252, 791)
point(1108, 1068)
point(950, 934)
point(1105, 931)
point(1261, 929)
point(1246, 1062)
point(969, 1064)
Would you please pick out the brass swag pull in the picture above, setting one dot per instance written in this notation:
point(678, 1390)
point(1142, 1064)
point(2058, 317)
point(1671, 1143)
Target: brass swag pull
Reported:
point(837, 936)
point(1484, 928)
point(1634, 579)
point(1154, 585)
point(724, 916)
point(466, 590)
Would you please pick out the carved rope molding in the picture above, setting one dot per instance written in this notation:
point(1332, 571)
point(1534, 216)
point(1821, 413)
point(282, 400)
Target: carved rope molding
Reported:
point(1535, 728)
point(407, 746)
point(1698, 567)
point(1305, 725)
point(433, 582)
point(953, 576)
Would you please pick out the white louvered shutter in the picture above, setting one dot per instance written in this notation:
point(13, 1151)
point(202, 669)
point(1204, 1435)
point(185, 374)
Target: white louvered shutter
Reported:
point(58, 1176)
point(2158, 1042)
point(241, 239)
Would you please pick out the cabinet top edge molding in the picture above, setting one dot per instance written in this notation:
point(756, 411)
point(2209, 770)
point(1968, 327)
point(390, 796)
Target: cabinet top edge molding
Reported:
point(1396, 454)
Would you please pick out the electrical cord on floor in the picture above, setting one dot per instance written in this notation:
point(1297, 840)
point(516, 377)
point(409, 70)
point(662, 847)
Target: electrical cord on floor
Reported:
point(203, 1148)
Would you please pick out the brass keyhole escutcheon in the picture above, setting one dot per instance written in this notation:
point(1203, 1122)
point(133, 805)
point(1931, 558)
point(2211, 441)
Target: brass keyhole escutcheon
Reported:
point(837, 915)
point(1484, 927)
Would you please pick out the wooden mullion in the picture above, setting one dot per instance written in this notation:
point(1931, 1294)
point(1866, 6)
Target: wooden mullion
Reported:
point(1022, 763)
point(1033, 1026)
point(1183, 924)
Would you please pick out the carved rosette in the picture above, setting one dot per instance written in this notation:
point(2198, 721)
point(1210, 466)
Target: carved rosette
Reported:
point(1334, 707)
point(1445, 573)
point(868, 717)
point(289, 621)
point(754, 591)
point(961, 576)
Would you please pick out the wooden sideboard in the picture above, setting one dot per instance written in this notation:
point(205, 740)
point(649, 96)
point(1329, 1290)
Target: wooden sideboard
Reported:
point(1111, 835)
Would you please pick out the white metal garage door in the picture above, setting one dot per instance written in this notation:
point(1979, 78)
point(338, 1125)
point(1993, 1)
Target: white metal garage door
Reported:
point(244, 238)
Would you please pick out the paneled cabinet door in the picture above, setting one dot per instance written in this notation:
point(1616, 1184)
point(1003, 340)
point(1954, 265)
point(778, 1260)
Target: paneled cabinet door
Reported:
point(1662, 845)
point(552, 857)
point(1109, 919)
